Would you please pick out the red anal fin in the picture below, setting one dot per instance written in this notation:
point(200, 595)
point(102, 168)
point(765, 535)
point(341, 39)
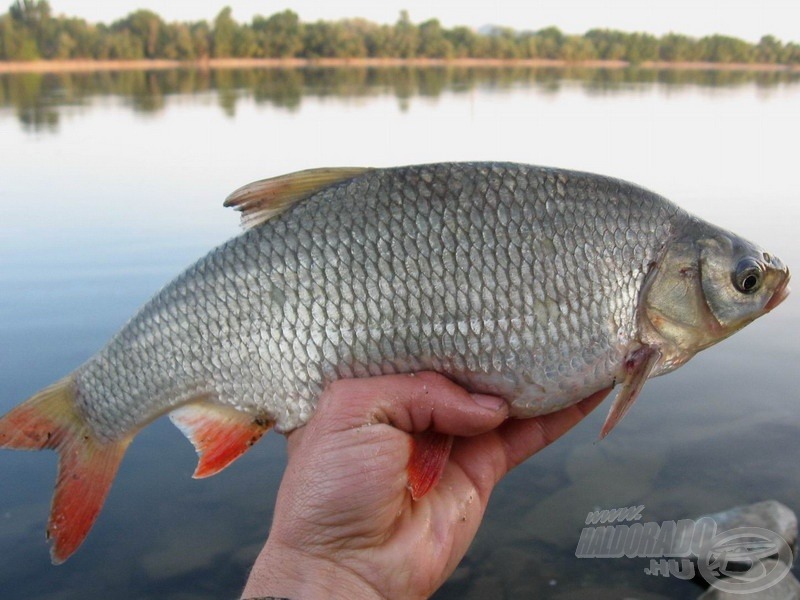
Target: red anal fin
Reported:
point(638, 365)
point(219, 434)
point(429, 454)
point(86, 466)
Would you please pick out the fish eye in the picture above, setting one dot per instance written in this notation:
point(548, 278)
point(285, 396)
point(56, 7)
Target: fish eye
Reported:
point(748, 275)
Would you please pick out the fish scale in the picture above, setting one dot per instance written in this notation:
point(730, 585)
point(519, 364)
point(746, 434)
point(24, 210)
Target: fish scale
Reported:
point(540, 285)
point(333, 265)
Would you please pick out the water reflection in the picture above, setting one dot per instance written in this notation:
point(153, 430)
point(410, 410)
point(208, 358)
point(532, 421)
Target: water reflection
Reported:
point(96, 215)
point(38, 99)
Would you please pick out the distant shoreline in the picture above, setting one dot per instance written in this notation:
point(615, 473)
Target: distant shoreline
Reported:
point(83, 66)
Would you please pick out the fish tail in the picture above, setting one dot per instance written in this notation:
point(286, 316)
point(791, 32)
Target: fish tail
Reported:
point(86, 466)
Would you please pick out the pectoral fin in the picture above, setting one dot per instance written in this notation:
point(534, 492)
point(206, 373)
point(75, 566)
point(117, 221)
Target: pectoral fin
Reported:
point(639, 365)
point(429, 454)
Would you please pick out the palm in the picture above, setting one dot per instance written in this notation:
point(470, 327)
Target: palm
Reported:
point(344, 498)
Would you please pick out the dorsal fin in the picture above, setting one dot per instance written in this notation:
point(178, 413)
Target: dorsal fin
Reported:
point(261, 200)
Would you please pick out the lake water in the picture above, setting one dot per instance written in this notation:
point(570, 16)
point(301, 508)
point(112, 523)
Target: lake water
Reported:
point(111, 184)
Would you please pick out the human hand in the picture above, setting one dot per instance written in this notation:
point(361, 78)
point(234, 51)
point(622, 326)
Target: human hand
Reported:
point(345, 524)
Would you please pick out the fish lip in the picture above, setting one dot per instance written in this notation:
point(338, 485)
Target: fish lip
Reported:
point(780, 294)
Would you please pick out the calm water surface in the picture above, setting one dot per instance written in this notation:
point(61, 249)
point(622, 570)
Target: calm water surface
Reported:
point(111, 184)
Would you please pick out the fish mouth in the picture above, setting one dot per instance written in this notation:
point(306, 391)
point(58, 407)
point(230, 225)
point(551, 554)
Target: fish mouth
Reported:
point(780, 294)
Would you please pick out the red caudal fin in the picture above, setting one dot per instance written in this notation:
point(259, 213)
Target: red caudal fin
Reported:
point(219, 434)
point(86, 466)
point(429, 454)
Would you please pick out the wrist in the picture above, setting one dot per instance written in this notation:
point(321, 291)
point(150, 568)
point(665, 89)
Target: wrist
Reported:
point(283, 572)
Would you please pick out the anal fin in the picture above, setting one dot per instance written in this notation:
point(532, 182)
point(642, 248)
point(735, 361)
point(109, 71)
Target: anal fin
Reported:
point(429, 454)
point(638, 365)
point(86, 466)
point(220, 434)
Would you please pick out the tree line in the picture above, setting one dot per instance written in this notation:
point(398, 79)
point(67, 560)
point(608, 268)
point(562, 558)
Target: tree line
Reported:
point(30, 31)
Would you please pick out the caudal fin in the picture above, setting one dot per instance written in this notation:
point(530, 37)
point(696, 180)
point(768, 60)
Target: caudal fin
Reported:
point(86, 466)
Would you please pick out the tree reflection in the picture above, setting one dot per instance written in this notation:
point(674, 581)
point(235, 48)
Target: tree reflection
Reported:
point(37, 99)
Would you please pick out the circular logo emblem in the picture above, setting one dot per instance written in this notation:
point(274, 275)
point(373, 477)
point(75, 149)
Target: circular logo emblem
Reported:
point(732, 561)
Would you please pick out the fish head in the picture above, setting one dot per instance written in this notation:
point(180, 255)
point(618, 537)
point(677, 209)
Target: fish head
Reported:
point(708, 285)
point(740, 281)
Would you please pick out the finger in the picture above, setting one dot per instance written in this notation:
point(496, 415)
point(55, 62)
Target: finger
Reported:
point(487, 458)
point(412, 403)
point(524, 438)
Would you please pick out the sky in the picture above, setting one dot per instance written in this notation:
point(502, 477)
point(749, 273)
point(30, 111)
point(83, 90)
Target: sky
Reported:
point(746, 19)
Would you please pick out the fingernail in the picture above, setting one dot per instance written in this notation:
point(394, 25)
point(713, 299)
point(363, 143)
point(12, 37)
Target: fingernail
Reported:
point(488, 402)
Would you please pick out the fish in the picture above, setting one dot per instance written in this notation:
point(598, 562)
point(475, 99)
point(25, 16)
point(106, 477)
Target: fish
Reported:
point(541, 285)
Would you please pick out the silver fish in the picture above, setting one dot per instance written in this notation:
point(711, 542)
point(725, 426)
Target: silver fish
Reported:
point(543, 286)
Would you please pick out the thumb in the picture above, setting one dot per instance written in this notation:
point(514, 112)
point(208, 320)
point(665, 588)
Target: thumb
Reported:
point(412, 403)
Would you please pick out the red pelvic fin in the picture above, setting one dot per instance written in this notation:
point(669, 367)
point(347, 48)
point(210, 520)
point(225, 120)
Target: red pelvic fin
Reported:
point(639, 365)
point(86, 466)
point(429, 454)
point(219, 434)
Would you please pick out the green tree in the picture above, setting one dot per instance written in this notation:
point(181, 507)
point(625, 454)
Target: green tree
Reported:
point(349, 41)
point(405, 38)
point(725, 49)
point(31, 15)
point(65, 46)
point(8, 38)
point(768, 50)
point(641, 47)
point(339, 39)
point(201, 39)
point(432, 41)
point(23, 28)
point(791, 54)
point(184, 43)
point(123, 45)
point(377, 40)
point(84, 37)
point(674, 47)
point(178, 44)
point(21, 45)
point(550, 41)
point(36, 19)
point(224, 34)
point(29, 31)
point(279, 36)
point(245, 44)
point(464, 42)
point(608, 44)
point(577, 47)
point(146, 30)
point(502, 43)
